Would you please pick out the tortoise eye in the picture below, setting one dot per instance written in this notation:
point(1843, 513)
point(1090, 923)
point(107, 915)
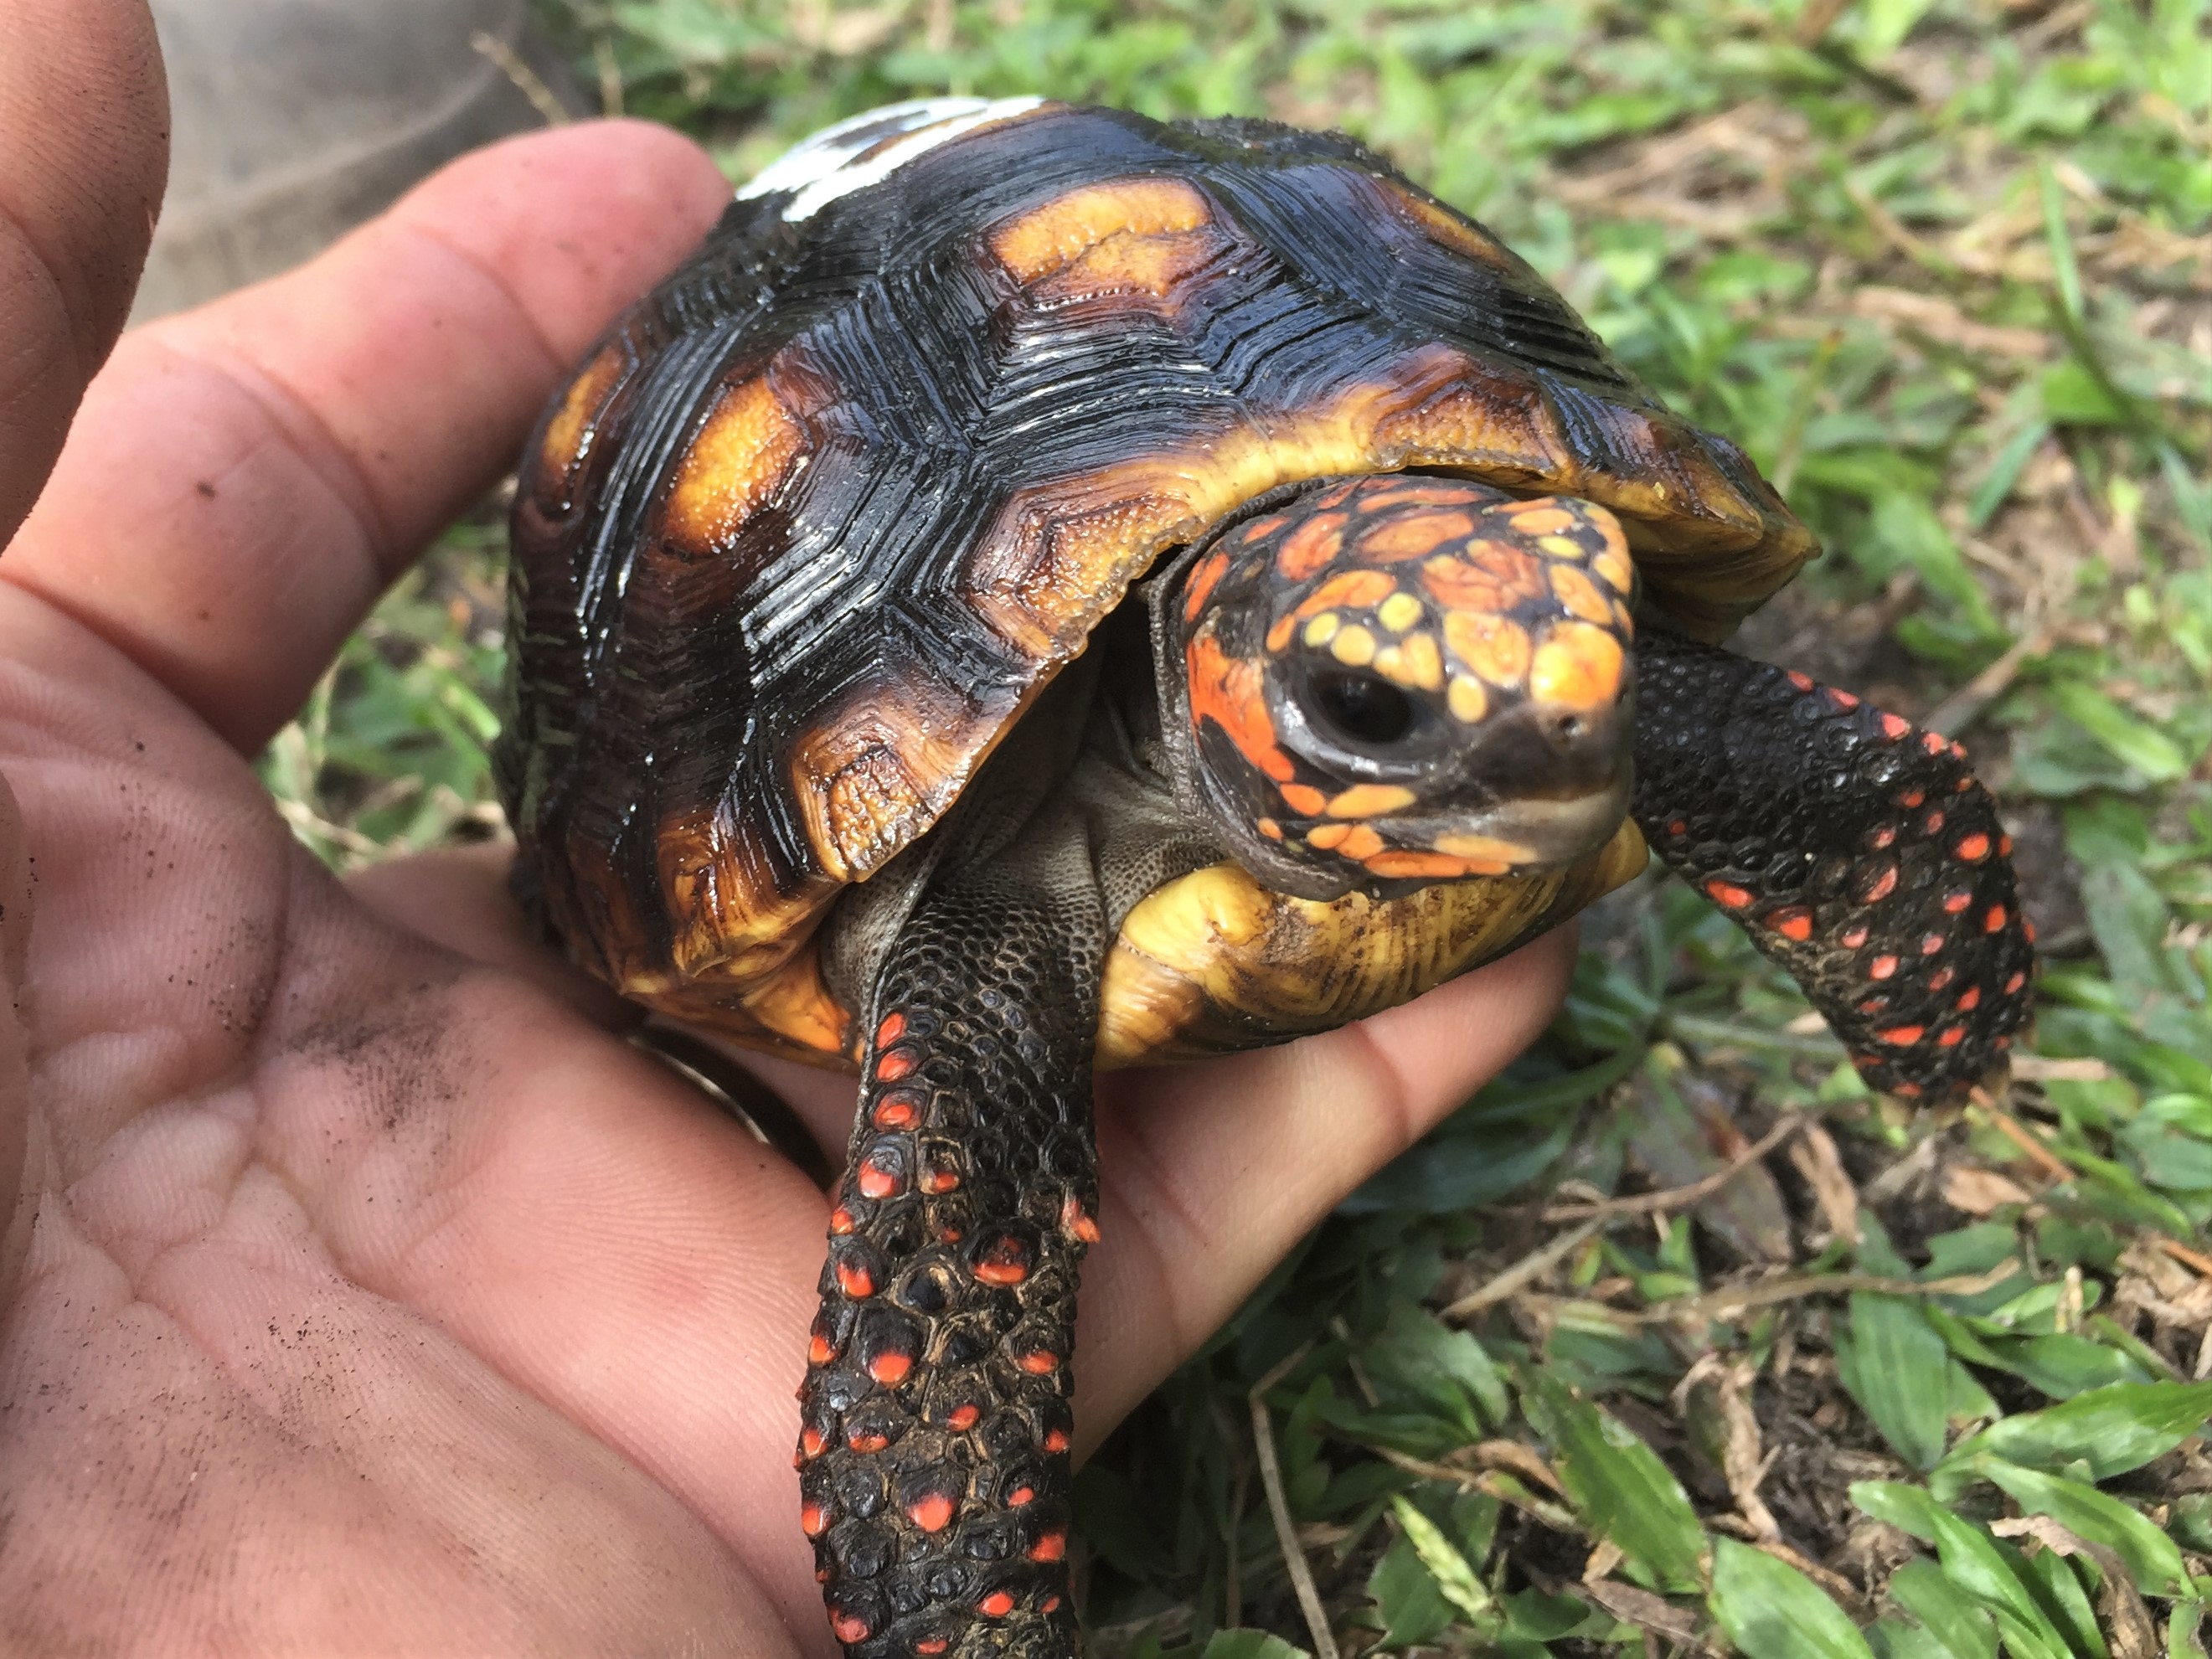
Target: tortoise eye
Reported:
point(1364, 707)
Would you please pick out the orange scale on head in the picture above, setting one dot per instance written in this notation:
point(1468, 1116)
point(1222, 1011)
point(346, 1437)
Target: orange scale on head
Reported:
point(1414, 535)
point(1486, 577)
point(1578, 667)
point(1348, 590)
point(1541, 518)
point(1578, 596)
point(1311, 548)
point(1494, 648)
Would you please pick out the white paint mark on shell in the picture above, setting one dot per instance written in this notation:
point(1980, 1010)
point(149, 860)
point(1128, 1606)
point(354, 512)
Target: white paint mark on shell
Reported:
point(866, 148)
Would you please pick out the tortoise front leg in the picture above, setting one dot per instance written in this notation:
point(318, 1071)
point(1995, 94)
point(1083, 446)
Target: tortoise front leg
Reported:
point(1857, 851)
point(933, 1455)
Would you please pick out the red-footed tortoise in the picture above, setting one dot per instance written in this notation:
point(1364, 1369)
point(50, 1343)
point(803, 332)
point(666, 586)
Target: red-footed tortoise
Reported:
point(1045, 588)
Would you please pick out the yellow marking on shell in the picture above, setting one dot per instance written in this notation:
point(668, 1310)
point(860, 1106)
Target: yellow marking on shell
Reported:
point(1053, 236)
point(1323, 629)
point(581, 408)
point(1579, 595)
point(1466, 699)
point(1214, 962)
point(1412, 661)
point(1130, 264)
point(1563, 547)
point(1578, 667)
point(1353, 645)
point(1364, 801)
point(1445, 227)
point(733, 466)
point(876, 772)
point(1495, 647)
point(1400, 611)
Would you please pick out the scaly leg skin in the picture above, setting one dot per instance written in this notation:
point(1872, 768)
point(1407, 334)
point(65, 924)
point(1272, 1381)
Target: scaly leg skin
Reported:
point(933, 1454)
point(1856, 850)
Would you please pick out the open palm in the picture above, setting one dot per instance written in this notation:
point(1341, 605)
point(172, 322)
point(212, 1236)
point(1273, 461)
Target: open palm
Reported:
point(363, 1292)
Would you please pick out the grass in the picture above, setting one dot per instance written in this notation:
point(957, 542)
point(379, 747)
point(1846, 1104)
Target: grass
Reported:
point(1917, 1386)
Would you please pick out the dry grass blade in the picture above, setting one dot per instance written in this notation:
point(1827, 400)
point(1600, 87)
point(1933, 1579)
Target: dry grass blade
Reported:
point(1675, 1198)
point(1279, 1506)
point(2017, 1132)
point(1524, 1273)
point(1721, 1303)
point(1650, 1613)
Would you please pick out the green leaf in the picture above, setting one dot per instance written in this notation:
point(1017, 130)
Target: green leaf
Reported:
point(2050, 1577)
point(1772, 1611)
point(1906, 533)
point(1456, 1576)
point(2128, 738)
point(2064, 269)
point(1408, 1596)
point(1894, 1363)
point(2112, 1429)
point(1251, 1644)
point(1972, 1560)
point(1961, 1624)
point(2004, 472)
point(1624, 1492)
point(2151, 1556)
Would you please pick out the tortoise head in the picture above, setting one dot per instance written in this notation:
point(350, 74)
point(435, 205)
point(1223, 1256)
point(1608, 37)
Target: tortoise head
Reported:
point(1404, 678)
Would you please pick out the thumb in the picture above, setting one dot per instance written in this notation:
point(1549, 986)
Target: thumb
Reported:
point(84, 153)
point(17, 1208)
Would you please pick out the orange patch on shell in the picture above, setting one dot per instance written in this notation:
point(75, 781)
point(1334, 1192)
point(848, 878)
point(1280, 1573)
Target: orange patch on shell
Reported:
point(1228, 690)
point(581, 407)
point(1128, 264)
point(1050, 238)
point(1444, 228)
point(733, 466)
point(1578, 667)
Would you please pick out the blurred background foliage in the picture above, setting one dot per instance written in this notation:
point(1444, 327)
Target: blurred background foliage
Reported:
point(1675, 1340)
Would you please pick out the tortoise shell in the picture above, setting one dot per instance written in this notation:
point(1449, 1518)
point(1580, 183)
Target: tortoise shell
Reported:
point(827, 510)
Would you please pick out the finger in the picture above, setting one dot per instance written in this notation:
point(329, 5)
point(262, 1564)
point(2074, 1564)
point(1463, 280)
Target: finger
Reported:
point(1210, 1175)
point(245, 478)
point(610, 1241)
point(84, 152)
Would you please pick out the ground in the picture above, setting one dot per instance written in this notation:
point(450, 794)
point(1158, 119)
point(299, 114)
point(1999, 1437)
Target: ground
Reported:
point(1675, 1340)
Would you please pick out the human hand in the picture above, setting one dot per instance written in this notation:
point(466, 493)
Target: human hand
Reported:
point(365, 1293)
